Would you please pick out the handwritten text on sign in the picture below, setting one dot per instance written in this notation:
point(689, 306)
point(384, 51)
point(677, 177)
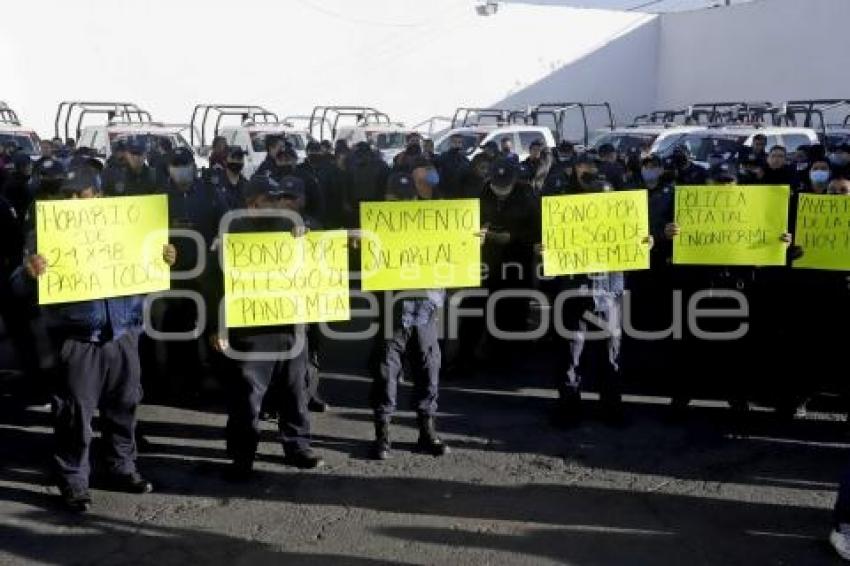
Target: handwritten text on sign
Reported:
point(102, 247)
point(595, 233)
point(420, 244)
point(273, 278)
point(823, 231)
point(731, 225)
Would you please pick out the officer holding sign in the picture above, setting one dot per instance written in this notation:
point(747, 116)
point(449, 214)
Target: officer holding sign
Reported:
point(250, 378)
point(99, 368)
point(730, 287)
point(414, 336)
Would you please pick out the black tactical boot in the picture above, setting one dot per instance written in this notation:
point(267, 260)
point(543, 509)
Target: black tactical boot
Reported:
point(429, 442)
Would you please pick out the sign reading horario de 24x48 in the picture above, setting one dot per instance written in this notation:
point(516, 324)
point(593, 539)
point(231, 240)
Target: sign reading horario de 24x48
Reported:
point(102, 247)
point(426, 244)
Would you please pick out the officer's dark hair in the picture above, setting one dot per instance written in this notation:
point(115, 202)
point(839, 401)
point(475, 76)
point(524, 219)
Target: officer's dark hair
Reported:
point(778, 148)
point(759, 137)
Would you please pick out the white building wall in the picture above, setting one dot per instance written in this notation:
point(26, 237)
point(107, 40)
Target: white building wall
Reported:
point(772, 50)
point(622, 72)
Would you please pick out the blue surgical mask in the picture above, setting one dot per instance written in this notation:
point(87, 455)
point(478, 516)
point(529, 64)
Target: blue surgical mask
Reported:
point(650, 176)
point(819, 177)
point(432, 178)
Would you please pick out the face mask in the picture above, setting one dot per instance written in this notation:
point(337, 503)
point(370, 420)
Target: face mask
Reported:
point(650, 176)
point(838, 159)
point(432, 178)
point(182, 176)
point(819, 177)
point(235, 166)
point(587, 179)
point(502, 191)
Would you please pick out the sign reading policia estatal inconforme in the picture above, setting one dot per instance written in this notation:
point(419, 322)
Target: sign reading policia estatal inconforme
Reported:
point(594, 233)
point(823, 232)
point(731, 225)
point(424, 244)
point(102, 247)
point(274, 278)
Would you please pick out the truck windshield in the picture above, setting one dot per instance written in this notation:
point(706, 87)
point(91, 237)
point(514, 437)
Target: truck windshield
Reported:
point(152, 142)
point(387, 140)
point(26, 141)
point(471, 141)
point(258, 140)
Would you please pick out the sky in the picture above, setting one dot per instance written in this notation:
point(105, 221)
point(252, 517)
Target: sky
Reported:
point(410, 58)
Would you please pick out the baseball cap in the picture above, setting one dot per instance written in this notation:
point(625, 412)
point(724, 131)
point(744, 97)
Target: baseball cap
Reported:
point(503, 173)
point(262, 185)
point(724, 172)
point(136, 147)
point(181, 157)
point(79, 179)
point(401, 185)
point(51, 168)
point(290, 186)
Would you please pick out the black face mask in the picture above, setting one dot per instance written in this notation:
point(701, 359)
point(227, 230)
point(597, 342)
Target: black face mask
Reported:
point(235, 166)
point(587, 179)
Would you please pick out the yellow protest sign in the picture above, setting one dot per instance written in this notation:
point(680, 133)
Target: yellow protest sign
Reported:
point(594, 233)
point(823, 231)
point(273, 278)
point(731, 225)
point(101, 247)
point(424, 244)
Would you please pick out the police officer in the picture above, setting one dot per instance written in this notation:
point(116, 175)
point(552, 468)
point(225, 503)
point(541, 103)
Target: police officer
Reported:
point(506, 149)
point(649, 298)
point(412, 335)
point(454, 168)
point(839, 159)
point(687, 172)
point(560, 176)
point(599, 295)
point(735, 379)
point(193, 206)
point(17, 190)
point(760, 147)
point(610, 167)
point(228, 182)
point(366, 174)
point(98, 345)
point(134, 177)
point(778, 172)
point(269, 167)
point(510, 220)
point(537, 165)
point(250, 380)
point(317, 177)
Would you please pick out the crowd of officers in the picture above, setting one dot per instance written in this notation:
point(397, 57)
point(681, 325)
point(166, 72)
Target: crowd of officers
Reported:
point(92, 355)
